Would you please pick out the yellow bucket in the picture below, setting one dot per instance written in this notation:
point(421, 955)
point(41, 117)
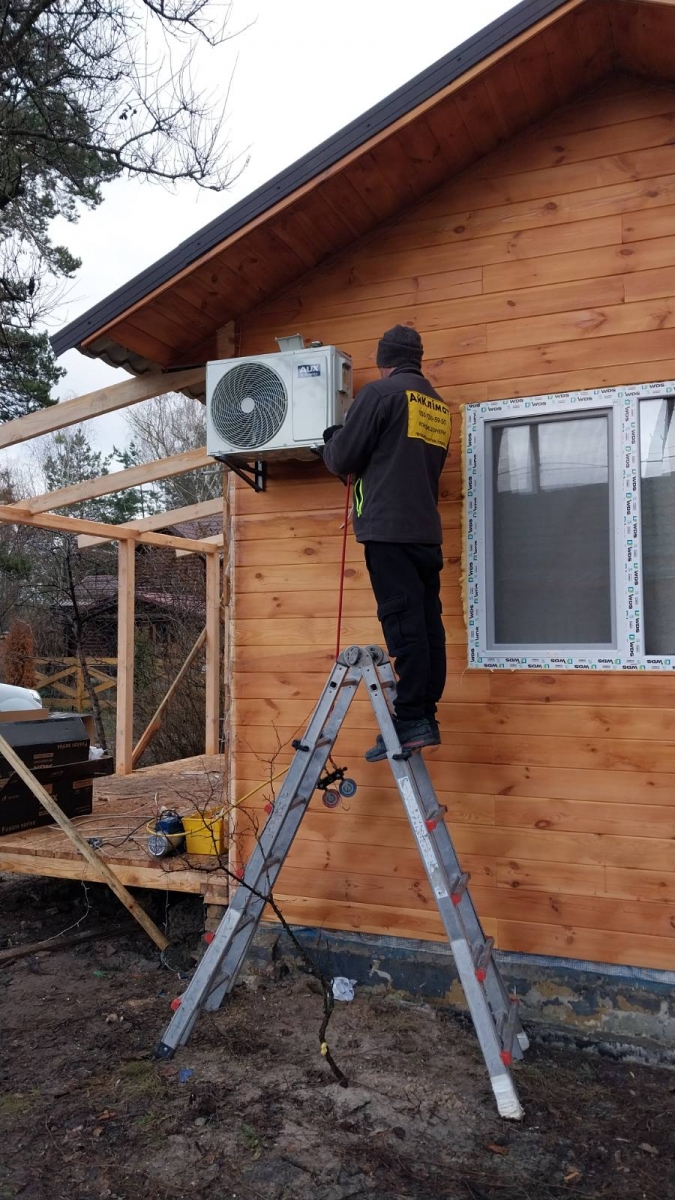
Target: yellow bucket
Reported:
point(204, 834)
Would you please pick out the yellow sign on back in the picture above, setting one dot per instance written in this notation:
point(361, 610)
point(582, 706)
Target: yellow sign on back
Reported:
point(429, 420)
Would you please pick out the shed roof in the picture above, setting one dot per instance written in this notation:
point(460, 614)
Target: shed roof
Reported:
point(536, 57)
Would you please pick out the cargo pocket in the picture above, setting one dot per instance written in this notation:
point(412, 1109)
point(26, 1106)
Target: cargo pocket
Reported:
point(398, 632)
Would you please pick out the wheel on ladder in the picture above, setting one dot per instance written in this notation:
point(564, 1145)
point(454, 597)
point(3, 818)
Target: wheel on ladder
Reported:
point(377, 654)
point(348, 788)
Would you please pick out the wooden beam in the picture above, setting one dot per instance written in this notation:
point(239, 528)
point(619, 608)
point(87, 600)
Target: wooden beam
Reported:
point(60, 943)
point(190, 512)
point(156, 720)
point(161, 468)
point(99, 864)
point(121, 533)
point(215, 540)
point(94, 404)
point(212, 654)
point(125, 659)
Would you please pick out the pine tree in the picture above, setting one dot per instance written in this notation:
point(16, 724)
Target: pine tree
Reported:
point(90, 90)
point(71, 458)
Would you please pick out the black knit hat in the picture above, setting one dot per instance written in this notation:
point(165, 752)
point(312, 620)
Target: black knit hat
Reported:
point(400, 347)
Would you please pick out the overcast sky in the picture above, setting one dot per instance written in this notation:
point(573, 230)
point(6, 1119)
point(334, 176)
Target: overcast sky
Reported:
point(301, 71)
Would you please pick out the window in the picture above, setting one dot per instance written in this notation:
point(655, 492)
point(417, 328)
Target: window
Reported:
point(570, 522)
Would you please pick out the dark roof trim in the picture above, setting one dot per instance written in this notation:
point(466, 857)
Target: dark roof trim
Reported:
point(436, 77)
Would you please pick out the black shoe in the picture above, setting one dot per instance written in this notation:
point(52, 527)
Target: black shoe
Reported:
point(413, 735)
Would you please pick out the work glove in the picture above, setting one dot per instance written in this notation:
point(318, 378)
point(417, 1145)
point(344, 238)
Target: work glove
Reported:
point(328, 433)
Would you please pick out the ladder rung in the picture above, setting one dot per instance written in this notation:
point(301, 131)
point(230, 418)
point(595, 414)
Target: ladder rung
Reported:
point(509, 1031)
point(481, 958)
point(436, 815)
point(458, 886)
point(216, 983)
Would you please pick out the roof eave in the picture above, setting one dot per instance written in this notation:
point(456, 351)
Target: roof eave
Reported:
point(400, 103)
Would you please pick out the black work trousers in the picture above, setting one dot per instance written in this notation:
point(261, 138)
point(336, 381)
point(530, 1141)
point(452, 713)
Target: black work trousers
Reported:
point(406, 580)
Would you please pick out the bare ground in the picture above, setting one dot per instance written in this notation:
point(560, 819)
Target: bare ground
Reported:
point(250, 1110)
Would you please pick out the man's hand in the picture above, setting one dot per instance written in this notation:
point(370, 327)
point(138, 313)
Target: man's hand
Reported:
point(328, 433)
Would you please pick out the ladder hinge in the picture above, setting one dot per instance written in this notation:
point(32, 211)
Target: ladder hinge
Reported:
point(297, 744)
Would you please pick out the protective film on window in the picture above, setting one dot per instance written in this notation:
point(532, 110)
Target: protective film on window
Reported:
point(570, 530)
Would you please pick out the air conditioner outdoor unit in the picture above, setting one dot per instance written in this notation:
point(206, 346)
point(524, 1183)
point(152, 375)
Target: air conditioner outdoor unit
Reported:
point(275, 405)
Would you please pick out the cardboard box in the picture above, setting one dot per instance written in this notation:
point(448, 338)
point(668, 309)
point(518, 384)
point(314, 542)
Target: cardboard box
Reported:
point(48, 743)
point(25, 714)
point(70, 784)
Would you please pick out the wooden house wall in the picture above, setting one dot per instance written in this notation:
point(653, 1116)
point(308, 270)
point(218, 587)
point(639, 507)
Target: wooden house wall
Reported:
point(548, 266)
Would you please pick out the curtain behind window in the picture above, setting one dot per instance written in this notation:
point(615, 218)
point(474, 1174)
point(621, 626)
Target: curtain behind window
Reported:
point(551, 508)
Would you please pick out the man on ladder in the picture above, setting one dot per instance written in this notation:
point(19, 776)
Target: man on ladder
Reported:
point(394, 444)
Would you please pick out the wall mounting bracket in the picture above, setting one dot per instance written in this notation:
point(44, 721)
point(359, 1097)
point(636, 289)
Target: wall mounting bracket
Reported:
point(254, 474)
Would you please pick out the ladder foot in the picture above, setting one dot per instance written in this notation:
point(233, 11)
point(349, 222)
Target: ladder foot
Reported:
point(163, 1052)
point(508, 1104)
point(523, 1040)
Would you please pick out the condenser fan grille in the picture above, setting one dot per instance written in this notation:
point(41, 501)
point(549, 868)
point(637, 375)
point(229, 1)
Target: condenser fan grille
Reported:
point(249, 405)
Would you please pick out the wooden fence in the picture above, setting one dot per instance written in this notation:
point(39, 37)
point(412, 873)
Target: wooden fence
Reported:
point(60, 682)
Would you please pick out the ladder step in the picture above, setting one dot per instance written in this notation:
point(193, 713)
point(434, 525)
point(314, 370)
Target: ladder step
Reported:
point(508, 1032)
point(482, 957)
point(437, 814)
point(458, 886)
point(215, 984)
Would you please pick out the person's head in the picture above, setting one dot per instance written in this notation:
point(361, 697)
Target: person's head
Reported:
point(399, 347)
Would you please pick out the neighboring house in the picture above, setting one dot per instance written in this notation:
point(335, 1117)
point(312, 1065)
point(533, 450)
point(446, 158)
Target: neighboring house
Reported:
point(169, 593)
point(516, 203)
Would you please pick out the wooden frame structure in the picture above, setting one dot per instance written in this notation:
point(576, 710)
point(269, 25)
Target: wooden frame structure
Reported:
point(37, 512)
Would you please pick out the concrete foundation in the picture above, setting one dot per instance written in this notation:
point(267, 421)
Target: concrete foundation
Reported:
point(630, 1010)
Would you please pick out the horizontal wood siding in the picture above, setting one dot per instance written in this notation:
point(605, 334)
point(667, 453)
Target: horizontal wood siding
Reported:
point(547, 266)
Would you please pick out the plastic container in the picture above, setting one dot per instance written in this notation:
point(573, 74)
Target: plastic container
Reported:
point(204, 834)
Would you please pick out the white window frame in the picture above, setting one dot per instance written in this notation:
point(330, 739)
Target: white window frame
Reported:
point(627, 652)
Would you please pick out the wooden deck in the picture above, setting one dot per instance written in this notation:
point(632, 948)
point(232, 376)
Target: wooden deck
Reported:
point(123, 805)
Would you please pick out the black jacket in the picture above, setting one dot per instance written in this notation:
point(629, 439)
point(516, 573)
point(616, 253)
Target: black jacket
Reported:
point(394, 444)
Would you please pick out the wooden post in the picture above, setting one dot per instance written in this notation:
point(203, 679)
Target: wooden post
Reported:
point(99, 864)
point(124, 736)
point(211, 740)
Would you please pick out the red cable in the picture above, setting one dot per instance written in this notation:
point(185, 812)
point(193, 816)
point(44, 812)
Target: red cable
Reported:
point(342, 566)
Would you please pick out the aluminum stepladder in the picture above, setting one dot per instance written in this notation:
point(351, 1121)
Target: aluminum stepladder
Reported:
point(493, 1011)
